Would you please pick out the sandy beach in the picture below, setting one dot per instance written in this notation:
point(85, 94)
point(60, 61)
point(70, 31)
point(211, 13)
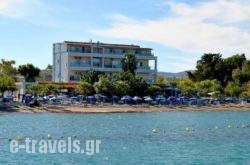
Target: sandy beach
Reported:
point(81, 108)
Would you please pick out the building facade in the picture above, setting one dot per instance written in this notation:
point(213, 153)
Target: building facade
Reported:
point(72, 59)
point(45, 75)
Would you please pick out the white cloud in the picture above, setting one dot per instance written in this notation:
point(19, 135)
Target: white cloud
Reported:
point(208, 26)
point(119, 18)
point(10, 8)
point(23, 8)
point(38, 12)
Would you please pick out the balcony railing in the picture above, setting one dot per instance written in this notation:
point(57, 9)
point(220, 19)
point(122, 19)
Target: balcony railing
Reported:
point(97, 65)
point(112, 66)
point(136, 54)
point(144, 68)
point(81, 64)
point(110, 53)
point(74, 78)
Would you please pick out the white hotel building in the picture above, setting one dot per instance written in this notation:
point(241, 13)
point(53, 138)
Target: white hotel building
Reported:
point(73, 59)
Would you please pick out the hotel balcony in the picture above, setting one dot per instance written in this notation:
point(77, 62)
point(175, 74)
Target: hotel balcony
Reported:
point(74, 78)
point(79, 66)
point(144, 69)
point(112, 66)
point(108, 54)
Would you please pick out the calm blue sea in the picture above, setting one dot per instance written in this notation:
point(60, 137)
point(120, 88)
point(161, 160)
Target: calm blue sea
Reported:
point(127, 138)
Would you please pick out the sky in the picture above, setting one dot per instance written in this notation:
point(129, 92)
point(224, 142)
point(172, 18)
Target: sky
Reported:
point(178, 31)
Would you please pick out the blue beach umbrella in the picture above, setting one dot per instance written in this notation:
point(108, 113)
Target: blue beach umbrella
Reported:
point(115, 99)
point(136, 99)
point(160, 98)
point(148, 99)
point(171, 98)
point(90, 99)
point(126, 98)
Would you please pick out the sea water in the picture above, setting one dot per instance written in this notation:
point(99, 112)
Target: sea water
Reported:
point(132, 138)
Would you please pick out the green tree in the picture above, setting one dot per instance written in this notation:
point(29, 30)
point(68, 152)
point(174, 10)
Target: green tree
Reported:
point(242, 74)
point(49, 66)
point(91, 76)
point(138, 86)
point(161, 80)
point(208, 67)
point(6, 67)
point(121, 88)
point(154, 90)
point(213, 66)
point(103, 86)
point(246, 90)
point(233, 89)
point(29, 72)
point(35, 89)
point(187, 87)
point(50, 89)
point(129, 63)
point(124, 76)
point(136, 83)
point(172, 83)
point(207, 86)
point(230, 64)
point(6, 83)
point(84, 88)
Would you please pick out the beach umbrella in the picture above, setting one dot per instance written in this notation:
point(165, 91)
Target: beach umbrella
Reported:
point(98, 96)
point(193, 98)
point(171, 98)
point(103, 98)
point(90, 99)
point(160, 98)
point(136, 98)
point(115, 99)
point(184, 97)
point(229, 99)
point(148, 99)
point(126, 98)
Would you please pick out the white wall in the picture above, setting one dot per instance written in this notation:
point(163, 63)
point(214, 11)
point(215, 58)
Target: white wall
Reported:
point(60, 63)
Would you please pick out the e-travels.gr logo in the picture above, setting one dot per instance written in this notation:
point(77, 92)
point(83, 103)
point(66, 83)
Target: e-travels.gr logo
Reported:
point(54, 146)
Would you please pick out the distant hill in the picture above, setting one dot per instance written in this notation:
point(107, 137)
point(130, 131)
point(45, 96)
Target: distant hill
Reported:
point(172, 74)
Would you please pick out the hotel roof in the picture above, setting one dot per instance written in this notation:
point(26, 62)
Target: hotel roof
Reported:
point(107, 45)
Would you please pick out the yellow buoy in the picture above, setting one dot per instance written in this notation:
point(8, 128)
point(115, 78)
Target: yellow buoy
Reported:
point(187, 129)
point(154, 130)
point(49, 136)
point(19, 138)
point(229, 126)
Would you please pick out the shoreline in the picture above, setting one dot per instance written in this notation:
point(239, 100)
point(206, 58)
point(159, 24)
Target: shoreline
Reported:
point(108, 108)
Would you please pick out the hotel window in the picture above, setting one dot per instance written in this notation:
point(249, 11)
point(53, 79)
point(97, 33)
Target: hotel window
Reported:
point(97, 62)
point(86, 49)
point(75, 49)
point(97, 50)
